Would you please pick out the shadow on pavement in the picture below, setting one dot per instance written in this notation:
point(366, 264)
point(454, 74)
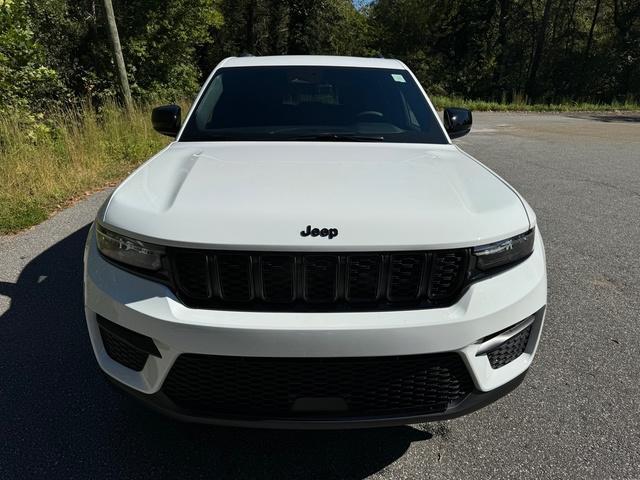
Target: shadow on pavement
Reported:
point(62, 419)
point(617, 118)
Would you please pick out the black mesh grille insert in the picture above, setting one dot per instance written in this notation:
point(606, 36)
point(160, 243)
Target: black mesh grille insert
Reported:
point(406, 274)
point(122, 352)
point(320, 278)
point(278, 275)
point(234, 274)
point(447, 274)
point(318, 282)
point(363, 278)
point(510, 350)
point(192, 270)
point(275, 387)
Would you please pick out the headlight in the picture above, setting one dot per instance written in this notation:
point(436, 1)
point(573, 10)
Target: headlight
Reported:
point(129, 251)
point(505, 252)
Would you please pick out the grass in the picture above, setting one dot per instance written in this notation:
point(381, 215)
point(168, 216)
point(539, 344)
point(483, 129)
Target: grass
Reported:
point(43, 170)
point(520, 105)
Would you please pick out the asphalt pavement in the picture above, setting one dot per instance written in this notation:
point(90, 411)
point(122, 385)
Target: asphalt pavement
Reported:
point(577, 414)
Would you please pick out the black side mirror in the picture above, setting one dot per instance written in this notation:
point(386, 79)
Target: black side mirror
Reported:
point(167, 119)
point(457, 121)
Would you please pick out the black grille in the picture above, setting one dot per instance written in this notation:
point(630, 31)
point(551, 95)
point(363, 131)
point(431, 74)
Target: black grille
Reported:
point(406, 274)
point(363, 278)
point(278, 278)
point(193, 270)
point(315, 387)
point(122, 352)
point(318, 282)
point(510, 350)
point(320, 278)
point(446, 278)
point(234, 277)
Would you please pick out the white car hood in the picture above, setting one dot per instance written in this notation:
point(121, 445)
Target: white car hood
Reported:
point(261, 195)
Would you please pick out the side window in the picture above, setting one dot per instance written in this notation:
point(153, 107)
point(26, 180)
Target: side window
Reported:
point(211, 96)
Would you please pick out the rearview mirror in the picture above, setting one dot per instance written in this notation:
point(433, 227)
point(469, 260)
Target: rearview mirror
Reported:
point(457, 121)
point(167, 119)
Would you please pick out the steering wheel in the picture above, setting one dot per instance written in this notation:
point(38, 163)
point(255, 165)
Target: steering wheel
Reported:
point(370, 113)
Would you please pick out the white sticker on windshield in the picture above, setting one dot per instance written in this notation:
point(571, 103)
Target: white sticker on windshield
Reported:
point(398, 77)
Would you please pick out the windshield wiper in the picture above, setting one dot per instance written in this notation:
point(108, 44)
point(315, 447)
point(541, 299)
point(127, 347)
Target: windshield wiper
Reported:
point(314, 137)
point(336, 137)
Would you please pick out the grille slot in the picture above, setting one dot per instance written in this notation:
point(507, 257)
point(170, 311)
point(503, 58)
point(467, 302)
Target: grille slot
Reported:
point(320, 278)
point(234, 275)
point(447, 274)
point(192, 274)
point(317, 282)
point(269, 387)
point(405, 277)
point(363, 277)
point(278, 278)
point(510, 350)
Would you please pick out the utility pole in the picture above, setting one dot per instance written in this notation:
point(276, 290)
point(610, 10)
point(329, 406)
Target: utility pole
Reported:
point(117, 53)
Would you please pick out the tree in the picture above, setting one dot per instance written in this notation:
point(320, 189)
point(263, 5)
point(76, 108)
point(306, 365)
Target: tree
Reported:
point(117, 52)
point(27, 84)
point(58, 50)
point(539, 45)
point(626, 19)
point(587, 48)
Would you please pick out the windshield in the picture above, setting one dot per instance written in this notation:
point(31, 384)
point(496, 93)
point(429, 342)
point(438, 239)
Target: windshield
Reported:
point(315, 104)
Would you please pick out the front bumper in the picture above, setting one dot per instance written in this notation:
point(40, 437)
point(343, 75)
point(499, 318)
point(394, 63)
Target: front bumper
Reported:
point(161, 403)
point(151, 309)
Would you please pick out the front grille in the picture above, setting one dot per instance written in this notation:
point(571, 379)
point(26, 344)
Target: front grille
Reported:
point(316, 387)
point(122, 352)
point(405, 277)
point(320, 273)
point(277, 278)
point(318, 282)
point(510, 350)
point(446, 278)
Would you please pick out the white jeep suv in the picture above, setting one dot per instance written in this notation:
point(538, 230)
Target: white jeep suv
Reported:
point(313, 251)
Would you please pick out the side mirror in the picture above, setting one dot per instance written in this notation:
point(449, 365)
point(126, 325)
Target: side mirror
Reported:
point(167, 119)
point(457, 121)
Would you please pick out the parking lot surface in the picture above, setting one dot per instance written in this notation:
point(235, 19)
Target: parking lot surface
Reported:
point(577, 415)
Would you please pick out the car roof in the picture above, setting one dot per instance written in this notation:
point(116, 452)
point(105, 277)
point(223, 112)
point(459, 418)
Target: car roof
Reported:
point(312, 60)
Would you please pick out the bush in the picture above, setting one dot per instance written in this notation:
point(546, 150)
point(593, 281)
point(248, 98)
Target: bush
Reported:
point(26, 83)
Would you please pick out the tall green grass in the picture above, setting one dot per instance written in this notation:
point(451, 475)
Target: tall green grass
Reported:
point(43, 168)
point(520, 105)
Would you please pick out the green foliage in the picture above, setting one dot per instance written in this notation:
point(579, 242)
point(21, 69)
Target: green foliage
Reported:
point(442, 102)
point(276, 27)
point(582, 50)
point(492, 49)
point(161, 41)
point(81, 151)
point(26, 83)
point(161, 45)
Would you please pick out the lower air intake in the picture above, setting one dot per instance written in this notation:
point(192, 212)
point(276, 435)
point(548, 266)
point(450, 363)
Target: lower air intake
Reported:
point(125, 346)
point(122, 352)
point(224, 386)
point(510, 350)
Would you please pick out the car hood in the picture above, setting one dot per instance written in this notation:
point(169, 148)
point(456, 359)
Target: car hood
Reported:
point(261, 195)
